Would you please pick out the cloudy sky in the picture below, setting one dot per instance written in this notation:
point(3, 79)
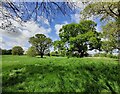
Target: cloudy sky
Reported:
point(25, 30)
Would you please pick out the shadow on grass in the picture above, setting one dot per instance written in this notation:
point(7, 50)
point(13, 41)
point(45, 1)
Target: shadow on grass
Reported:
point(89, 77)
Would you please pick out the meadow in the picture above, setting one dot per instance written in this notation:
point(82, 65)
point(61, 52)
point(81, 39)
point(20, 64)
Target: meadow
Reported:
point(93, 75)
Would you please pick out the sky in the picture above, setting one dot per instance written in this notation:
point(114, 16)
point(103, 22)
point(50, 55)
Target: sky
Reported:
point(25, 30)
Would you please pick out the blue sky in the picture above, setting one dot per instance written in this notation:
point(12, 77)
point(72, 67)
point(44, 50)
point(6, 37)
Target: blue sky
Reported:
point(42, 25)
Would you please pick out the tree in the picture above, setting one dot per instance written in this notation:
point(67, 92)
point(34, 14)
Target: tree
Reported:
point(7, 52)
point(105, 10)
point(25, 11)
point(44, 8)
point(0, 51)
point(41, 43)
point(110, 37)
point(60, 47)
point(32, 51)
point(79, 36)
point(17, 50)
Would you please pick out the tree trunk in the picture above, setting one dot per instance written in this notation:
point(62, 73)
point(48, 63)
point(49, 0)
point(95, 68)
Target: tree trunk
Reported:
point(41, 55)
point(82, 54)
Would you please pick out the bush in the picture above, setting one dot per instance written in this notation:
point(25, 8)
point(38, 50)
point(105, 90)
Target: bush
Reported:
point(112, 56)
point(55, 53)
point(103, 55)
point(17, 50)
point(32, 52)
point(106, 55)
point(96, 55)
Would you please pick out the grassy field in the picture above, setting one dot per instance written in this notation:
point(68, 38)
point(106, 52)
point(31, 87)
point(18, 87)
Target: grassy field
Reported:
point(60, 74)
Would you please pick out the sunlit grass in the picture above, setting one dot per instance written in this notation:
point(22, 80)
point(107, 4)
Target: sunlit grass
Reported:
point(60, 74)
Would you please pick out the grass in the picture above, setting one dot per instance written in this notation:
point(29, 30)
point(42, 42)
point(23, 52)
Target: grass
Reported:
point(60, 74)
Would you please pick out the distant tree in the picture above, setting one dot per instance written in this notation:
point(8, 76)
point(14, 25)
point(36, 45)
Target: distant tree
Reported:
point(9, 52)
point(17, 50)
point(54, 53)
point(41, 43)
point(0, 51)
point(80, 36)
point(32, 51)
point(6, 52)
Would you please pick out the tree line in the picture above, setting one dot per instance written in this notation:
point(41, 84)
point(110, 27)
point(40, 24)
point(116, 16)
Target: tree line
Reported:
point(75, 40)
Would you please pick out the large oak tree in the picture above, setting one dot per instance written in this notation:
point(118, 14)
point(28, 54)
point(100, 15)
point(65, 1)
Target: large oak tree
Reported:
point(79, 36)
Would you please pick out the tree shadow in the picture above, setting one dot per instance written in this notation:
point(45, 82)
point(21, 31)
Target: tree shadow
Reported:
point(89, 76)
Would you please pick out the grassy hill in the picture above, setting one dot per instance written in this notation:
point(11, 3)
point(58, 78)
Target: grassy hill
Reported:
point(60, 74)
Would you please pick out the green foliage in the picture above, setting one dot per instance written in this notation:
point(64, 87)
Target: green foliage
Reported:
point(106, 55)
point(6, 52)
point(110, 36)
point(103, 55)
point(79, 36)
point(32, 52)
point(17, 50)
point(112, 56)
point(60, 47)
point(104, 10)
point(41, 43)
point(60, 74)
point(55, 53)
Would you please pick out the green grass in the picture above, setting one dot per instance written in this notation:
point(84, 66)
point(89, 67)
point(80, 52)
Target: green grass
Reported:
point(60, 74)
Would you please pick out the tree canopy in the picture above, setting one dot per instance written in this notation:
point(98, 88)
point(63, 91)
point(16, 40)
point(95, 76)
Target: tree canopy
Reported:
point(17, 50)
point(60, 47)
point(41, 43)
point(110, 37)
point(79, 36)
point(46, 8)
point(105, 10)
point(6, 52)
point(32, 51)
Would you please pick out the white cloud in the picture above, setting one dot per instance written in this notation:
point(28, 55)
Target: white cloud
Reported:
point(43, 20)
point(21, 33)
point(59, 26)
point(75, 17)
point(92, 52)
point(79, 4)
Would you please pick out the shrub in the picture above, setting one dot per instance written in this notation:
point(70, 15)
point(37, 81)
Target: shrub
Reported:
point(32, 52)
point(103, 55)
point(106, 55)
point(112, 56)
point(17, 50)
point(55, 53)
point(96, 55)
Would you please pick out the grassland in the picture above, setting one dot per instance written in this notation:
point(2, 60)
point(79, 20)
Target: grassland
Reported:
point(60, 74)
